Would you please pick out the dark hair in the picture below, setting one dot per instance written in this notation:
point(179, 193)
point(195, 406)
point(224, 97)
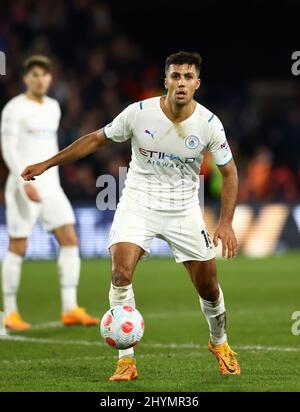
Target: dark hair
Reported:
point(37, 60)
point(184, 57)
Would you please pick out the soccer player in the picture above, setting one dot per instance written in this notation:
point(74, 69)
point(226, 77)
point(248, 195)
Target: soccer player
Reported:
point(28, 132)
point(169, 135)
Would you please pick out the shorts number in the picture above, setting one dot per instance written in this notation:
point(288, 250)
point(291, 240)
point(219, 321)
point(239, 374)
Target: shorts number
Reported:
point(205, 234)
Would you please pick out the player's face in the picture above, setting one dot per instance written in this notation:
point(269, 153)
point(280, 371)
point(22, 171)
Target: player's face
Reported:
point(181, 82)
point(37, 81)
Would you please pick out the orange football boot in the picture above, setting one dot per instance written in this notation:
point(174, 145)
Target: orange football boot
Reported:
point(226, 358)
point(14, 321)
point(78, 316)
point(126, 370)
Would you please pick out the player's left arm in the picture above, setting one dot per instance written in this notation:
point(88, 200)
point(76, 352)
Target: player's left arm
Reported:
point(224, 230)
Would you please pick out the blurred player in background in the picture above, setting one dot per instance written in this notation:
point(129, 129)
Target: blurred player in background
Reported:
point(28, 132)
point(169, 135)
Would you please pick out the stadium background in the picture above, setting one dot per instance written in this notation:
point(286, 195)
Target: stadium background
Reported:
point(105, 57)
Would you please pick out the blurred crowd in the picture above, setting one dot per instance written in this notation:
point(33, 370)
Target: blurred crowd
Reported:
point(98, 70)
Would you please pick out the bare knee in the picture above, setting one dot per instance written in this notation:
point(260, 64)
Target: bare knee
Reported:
point(209, 291)
point(18, 246)
point(66, 235)
point(124, 258)
point(204, 277)
point(121, 274)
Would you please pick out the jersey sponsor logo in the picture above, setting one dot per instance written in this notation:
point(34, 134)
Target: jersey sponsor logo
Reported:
point(192, 142)
point(150, 133)
point(168, 157)
point(42, 133)
point(165, 165)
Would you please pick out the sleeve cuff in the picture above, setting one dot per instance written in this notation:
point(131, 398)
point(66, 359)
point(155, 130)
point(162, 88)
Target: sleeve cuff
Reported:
point(105, 134)
point(224, 164)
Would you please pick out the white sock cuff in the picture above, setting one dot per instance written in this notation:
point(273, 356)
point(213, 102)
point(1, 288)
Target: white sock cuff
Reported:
point(13, 257)
point(122, 295)
point(213, 308)
point(126, 353)
point(11, 273)
point(69, 251)
point(119, 295)
point(69, 265)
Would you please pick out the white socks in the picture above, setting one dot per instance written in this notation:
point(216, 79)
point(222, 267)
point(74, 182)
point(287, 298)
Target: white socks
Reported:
point(69, 270)
point(11, 274)
point(215, 315)
point(122, 295)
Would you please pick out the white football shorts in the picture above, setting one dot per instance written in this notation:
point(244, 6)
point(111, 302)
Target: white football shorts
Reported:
point(184, 231)
point(22, 214)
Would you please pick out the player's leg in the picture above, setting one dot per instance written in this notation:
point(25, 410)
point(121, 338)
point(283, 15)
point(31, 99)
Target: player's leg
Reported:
point(204, 278)
point(21, 215)
point(69, 272)
point(131, 234)
point(124, 258)
point(191, 245)
point(68, 263)
point(11, 275)
point(58, 217)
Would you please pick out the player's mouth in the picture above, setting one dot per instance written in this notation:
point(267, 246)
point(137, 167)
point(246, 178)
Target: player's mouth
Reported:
point(180, 94)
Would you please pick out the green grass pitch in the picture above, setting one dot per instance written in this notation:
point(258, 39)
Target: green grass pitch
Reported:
point(260, 295)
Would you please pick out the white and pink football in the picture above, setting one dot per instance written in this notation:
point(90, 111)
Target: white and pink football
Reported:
point(122, 327)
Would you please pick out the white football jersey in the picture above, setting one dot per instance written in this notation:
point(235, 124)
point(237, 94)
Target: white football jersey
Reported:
point(166, 157)
point(29, 135)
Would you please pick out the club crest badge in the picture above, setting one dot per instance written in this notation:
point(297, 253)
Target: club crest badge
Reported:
point(192, 142)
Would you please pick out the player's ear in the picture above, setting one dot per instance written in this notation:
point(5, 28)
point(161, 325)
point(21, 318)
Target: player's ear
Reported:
point(25, 79)
point(198, 84)
point(165, 83)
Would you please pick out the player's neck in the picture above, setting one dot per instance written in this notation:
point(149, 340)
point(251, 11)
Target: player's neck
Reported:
point(35, 98)
point(177, 113)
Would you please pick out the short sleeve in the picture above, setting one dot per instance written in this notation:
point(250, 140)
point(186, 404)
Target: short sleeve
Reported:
point(121, 128)
point(9, 122)
point(218, 145)
point(58, 111)
point(9, 139)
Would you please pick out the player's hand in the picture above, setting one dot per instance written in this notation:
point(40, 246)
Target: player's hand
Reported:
point(226, 234)
point(32, 192)
point(33, 170)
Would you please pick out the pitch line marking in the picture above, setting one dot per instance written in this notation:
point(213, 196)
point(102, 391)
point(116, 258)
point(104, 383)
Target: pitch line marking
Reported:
point(90, 358)
point(46, 325)
point(151, 315)
point(254, 348)
point(57, 324)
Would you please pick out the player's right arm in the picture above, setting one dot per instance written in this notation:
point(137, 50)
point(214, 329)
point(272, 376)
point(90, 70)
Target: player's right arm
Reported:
point(9, 142)
point(119, 130)
point(82, 147)
point(9, 139)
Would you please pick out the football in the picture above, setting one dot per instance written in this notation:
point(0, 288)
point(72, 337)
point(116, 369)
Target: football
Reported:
point(122, 327)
